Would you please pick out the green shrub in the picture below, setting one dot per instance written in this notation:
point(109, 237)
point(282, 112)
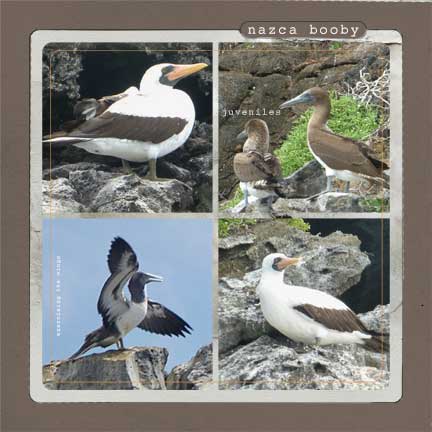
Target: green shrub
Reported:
point(377, 205)
point(335, 45)
point(348, 118)
point(298, 223)
point(227, 226)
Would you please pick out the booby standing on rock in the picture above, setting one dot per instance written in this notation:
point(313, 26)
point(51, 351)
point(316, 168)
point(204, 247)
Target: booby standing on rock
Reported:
point(144, 125)
point(256, 168)
point(121, 315)
point(307, 315)
point(342, 157)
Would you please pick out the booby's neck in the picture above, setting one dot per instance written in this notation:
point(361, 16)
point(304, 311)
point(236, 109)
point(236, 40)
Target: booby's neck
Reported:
point(150, 87)
point(270, 280)
point(320, 114)
point(257, 140)
point(139, 297)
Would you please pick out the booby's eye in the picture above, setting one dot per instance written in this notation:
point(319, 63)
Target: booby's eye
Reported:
point(276, 261)
point(167, 69)
point(165, 77)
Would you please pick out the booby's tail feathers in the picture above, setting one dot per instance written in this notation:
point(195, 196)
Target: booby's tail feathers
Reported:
point(92, 340)
point(60, 138)
point(377, 343)
point(83, 349)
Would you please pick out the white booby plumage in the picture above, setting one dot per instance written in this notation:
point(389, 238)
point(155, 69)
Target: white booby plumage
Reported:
point(144, 124)
point(307, 315)
point(121, 315)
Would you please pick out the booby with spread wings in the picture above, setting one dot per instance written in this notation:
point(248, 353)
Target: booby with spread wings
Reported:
point(143, 125)
point(341, 157)
point(121, 315)
point(307, 315)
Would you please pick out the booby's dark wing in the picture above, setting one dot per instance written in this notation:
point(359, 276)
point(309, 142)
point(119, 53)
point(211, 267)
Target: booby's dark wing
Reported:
point(159, 319)
point(123, 121)
point(341, 153)
point(254, 166)
point(343, 320)
point(122, 263)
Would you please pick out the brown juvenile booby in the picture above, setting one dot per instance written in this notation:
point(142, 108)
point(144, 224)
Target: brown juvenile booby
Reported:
point(87, 108)
point(144, 125)
point(121, 315)
point(307, 315)
point(342, 157)
point(256, 168)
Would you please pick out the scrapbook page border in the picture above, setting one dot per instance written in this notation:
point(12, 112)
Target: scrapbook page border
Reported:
point(40, 393)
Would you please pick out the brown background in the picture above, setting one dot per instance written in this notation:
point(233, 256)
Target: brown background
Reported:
point(19, 20)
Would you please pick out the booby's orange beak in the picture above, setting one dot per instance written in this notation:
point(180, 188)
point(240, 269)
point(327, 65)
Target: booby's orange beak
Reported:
point(284, 263)
point(181, 71)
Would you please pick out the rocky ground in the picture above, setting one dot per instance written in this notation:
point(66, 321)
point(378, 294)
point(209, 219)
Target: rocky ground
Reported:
point(77, 181)
point(250, 79)
point(82, 182)
point(252, 354)
point(135, 368)
point(297, 189)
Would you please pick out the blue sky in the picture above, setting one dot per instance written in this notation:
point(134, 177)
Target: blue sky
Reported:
point(180, 250)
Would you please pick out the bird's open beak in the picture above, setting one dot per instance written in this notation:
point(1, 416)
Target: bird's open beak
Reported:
point(154, 278)
point(242, 135)
point(181, 71)
point(304, 98)
point(287, 262)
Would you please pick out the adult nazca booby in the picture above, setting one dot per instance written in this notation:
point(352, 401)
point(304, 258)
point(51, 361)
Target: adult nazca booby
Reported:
point(121, 315)
point(256, 168)
point(307, 315)
point(342, 157)
point(144, 125)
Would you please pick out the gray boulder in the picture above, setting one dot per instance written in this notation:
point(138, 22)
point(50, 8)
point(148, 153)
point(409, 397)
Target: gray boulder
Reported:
point(334, 262)
point(240, 316)
point(378, 319)
point(132, 369)
point(59, 196)
point(84, 187)
point(130, 193)
point(305, 182)
point(275, 363)
point(327, 202)
point(196, 374)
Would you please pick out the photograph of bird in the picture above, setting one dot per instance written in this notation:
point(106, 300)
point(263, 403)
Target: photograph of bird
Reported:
point(257, 169)
point(341, 157)
point(138, 125)
point(307, 315)
point(121, 315)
